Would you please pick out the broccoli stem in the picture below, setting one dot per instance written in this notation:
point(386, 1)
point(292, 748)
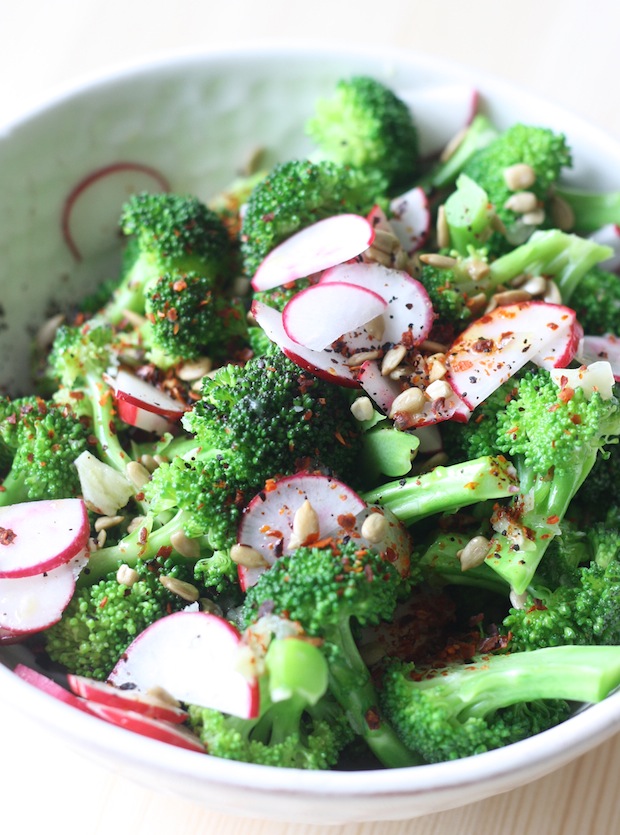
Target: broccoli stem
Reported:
point(480, 133)
point(446, 489)
point(103, 415)
point(13, 489)
point(468, 215)
point(352, 687)
point(592, 210)
point(441, 562)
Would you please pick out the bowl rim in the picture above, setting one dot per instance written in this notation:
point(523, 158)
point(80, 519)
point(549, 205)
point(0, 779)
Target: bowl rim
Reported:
point(538, 754)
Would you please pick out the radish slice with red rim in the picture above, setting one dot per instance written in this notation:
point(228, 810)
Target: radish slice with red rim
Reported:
point(594, 348)
point(90, 213)
point(51, 687)
point(192, 656)
point(441, 112)
point(105, 693)
point(411, 219)
point(34, 603)
point(317, 316)
point(328, 364)
point(409, 315)
point(323, 244)
point(148, 726)
point(142, 404)
point(39, 536)
point(493, 348)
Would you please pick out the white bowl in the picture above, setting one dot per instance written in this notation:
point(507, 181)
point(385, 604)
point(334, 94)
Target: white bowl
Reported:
point(195, 119)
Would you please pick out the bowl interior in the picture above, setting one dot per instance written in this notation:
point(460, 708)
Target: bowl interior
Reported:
point(194, 120)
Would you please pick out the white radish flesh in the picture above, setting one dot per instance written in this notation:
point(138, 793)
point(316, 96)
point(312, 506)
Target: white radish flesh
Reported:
point(40, 536)
point(597, 377)
point(323, 244)
point(135, 397)
point(411, 219)
point(441, 112)
point(320, 314)
point(105, 693)
point(594, 348)
point(34, 603)
point(192, 656)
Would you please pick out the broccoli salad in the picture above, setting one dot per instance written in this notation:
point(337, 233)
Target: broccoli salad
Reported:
point(325, 477)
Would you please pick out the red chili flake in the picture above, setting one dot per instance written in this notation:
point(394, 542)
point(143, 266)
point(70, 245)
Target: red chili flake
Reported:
point(553, 520)
point(164, 552)
point(346, 521)
point(576, 419)
point(7, 536)
point(373, 719)
point(140, 497)
point(143, 535)
point(483, 346)
point(462, 365)
point(179, 285)
point(552, 326)
point(270, 485)
point(566, 394)
point(103, 602)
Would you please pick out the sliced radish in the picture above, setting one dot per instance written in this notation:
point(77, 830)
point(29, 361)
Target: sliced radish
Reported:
point(105, 693)
point(90, 213)
point(39, 536)
point(267, 523)
point(323, 244)
point(441, 112)
point(328, 365)
point(32, 604)
point(51, 687)
point(192, 656)
point(320, 314)
point(393, 542)
point(378, 219)
point(596, 377)
point(148, 726)
point(381, 389)
point(409, 315)
point(609, 235)
point(142, 404)
point(594, 348)
point(493, 348)
point(411, 219)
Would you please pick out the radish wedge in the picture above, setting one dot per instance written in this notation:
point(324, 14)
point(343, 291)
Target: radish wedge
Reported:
point(144, 725)
point(411, 219)
point(320, 314)
point(328, 365)
point(493, 348)
point(593, 348)
point(34, 603)
point(394, 546)
point(86, 226)
point(409, 315)
point(596, 377)
point(105, 693)
point(51, 687)
point(441, 112)
point(39, 536)
point(191, 655)
point(323, 244)
point(143, 405)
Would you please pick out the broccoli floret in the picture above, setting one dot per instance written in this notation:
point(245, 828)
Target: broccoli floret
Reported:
point(298, 726)
point(464, 709)
point(446, 489)
point(296, 194)
point(328, 589)
point(553, 436)
point(39, 442)
point(189, 317)
point(545, 152)
point(596, 301)
point(366, 125)
point(168, 233)
point(103, 619)
point(582, 607)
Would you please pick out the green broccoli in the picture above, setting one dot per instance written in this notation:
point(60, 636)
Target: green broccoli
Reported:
point(545, 154)
point(328, 589)
point(103, 619)
point(366, 125)
point(479, 133)
point(39, 442)
point(596, 301)
point(296, 194)
point(298, 726)
point(167, 233)
point(591, 210)
point(461, 709)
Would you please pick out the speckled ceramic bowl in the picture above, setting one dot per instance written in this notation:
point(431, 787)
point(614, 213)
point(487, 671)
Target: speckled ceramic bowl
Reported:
point(194, 119)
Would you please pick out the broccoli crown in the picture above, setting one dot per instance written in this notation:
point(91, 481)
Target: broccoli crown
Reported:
point(544, 151)
point(364, 124)
point(81, 353)
point(40, 441)
point(457, 711)
point(599, 488)
point(596, 301)
point(553, 427)
point(273, 418)
point(103, 619)
point(449, 300)
point(324, 587)
point(190, 317)
point(582, 608)
point(173, 228)
point(296, 194)
point(285, 736)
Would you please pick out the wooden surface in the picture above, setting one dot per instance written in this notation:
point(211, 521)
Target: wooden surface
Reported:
point(565, 50)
